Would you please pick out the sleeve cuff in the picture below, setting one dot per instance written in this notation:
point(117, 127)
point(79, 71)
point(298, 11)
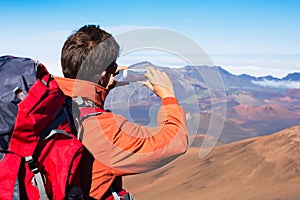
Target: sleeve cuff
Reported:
point(169, 100)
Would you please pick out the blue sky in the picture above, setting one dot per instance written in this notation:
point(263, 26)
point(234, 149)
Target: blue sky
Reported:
point(254, 37)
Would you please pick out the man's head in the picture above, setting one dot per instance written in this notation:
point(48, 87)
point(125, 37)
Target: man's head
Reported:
point(88, 52)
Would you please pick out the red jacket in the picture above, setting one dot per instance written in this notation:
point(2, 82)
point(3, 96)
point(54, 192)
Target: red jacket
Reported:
point(121, 147)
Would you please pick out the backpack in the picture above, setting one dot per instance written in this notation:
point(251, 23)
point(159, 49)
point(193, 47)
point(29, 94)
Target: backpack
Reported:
point(39, 151)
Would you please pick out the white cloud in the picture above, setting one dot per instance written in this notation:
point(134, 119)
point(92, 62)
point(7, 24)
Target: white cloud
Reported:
point(278, 84)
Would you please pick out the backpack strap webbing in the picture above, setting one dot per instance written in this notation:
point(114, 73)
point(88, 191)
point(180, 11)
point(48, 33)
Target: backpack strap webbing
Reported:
point(84, 113)
point(38, 177)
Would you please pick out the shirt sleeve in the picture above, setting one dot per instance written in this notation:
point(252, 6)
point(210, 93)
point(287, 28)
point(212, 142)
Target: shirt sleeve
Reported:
point(127, 148)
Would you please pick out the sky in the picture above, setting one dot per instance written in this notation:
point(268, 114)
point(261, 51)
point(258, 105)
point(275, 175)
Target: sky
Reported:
point(253, 37)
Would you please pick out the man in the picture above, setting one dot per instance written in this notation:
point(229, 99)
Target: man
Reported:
point(118, 146)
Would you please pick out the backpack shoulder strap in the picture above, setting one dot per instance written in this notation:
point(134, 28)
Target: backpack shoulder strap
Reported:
point(86, 112)
point(83, 109)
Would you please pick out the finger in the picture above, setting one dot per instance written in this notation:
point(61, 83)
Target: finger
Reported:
point(149, 71)
point(120, 68)
point(149, 74)
point(166, 77)
point(154, 72)
point(153, 75)
point(148, 84)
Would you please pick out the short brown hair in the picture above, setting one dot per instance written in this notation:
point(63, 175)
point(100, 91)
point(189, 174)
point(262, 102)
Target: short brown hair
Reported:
point(87, 53)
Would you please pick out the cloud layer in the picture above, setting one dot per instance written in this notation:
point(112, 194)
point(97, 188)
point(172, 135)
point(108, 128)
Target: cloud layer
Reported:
point(278, 84)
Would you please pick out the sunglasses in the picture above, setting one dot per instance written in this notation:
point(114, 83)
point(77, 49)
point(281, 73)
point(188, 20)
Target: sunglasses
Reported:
point(112, 69)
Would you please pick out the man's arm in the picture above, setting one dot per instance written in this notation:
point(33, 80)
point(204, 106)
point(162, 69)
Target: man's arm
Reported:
point(128, 148)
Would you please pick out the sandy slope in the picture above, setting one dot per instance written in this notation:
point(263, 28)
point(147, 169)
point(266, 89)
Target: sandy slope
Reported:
point(258, 169)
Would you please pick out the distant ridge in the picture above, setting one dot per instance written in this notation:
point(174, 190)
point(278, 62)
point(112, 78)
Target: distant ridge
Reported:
point(292, 77)
point(254, 106)
point(230, 80)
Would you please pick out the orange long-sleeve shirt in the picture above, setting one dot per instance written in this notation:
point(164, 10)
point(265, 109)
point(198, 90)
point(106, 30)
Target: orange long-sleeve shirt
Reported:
point(121, 147)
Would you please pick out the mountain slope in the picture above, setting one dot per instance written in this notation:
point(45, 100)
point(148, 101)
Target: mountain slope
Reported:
point(263, 168)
